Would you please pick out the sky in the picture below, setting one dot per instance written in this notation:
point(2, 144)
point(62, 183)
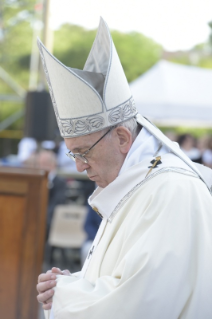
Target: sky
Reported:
point(176, 24)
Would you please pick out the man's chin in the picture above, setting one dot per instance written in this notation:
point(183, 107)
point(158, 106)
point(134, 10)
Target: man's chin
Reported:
point(97, 181)
point(101, 184)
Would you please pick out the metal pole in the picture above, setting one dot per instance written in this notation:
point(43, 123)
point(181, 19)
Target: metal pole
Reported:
point(34, 60)
point(13, 84)
point(47, 40)
point(47, 31)
point(1, 22)
point(11, 119)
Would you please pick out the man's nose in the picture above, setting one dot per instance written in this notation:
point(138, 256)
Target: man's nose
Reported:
point(81, 166)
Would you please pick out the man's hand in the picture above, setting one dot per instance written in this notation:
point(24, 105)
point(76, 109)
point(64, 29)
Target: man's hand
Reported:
point(46, 283)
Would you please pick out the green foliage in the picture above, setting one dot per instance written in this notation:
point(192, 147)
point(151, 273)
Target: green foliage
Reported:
point(181, 60)
point(200, 55)
point(15, 46)
point(203, 61)
point(17, 39)
point(137, 52)
point(196, 132)
point(72, 45)
point(206, 63)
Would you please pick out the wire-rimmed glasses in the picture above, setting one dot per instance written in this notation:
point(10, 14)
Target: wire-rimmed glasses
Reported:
point(81, 157)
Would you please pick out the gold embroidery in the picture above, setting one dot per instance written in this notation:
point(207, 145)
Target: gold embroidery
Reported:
point(96, 210)
point(157, 159)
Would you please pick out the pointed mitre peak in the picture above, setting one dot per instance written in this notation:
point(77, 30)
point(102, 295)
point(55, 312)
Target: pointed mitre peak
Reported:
point(89, 100)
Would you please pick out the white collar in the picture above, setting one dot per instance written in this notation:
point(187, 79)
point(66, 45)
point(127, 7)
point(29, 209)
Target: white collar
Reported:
point(133, 172)
point(144, 146)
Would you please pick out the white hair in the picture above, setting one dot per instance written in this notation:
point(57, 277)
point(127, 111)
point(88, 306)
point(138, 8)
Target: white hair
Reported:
point(131, 125)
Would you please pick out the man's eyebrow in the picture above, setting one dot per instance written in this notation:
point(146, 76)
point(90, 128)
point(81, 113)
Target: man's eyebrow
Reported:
point(80, 149)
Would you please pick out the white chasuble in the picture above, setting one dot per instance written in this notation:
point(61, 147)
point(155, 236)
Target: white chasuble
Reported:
point(152, 257)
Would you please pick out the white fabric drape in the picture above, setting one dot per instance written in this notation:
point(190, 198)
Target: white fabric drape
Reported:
point(154, 260)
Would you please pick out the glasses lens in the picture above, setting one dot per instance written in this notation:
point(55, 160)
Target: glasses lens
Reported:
point(81, 158)
point(71, 156)
point(78, 156)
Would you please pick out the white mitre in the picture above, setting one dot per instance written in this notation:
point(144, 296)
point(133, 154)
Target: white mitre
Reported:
point(89, 100)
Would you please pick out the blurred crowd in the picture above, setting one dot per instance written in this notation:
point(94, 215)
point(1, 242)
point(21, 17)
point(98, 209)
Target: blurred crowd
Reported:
point(198, 150)
point(28, 152)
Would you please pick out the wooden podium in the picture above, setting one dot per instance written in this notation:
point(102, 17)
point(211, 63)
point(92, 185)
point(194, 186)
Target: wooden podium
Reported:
point(23, 204)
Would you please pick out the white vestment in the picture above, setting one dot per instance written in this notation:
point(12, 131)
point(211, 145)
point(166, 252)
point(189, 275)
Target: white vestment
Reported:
point(152, 256)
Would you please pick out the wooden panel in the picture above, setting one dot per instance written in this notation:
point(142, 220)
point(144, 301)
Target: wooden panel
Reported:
point(13, 187)
point(11, 229)
point(34, 234)
point(24, 171)
point(23, 204)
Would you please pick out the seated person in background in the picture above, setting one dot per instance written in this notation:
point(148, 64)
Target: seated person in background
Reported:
point(187, 145)
point(56, 184)
point(63, 160)
point(27, 149)
point(207, 154)
point(91, 225)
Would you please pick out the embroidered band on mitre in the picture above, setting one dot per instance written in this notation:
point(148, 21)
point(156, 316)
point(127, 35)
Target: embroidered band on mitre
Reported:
point(89, 100)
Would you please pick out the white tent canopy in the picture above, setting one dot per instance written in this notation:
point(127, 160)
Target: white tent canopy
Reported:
point(174, 94)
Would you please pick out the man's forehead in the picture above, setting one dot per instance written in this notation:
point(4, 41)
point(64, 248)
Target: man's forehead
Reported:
point(76, 144)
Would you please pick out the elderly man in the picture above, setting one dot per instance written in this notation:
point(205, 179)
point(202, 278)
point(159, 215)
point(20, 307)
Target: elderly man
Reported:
point(151, 257)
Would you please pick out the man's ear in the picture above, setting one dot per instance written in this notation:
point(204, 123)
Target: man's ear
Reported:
point(124, 137)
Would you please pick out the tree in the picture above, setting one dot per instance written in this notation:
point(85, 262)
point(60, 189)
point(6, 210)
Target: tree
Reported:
point(16, 31)
point(137, 52)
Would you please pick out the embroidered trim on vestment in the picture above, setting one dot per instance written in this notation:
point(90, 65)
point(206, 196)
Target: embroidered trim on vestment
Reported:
point(163, 170)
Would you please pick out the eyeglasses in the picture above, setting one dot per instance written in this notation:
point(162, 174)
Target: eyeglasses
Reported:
point(81, 157)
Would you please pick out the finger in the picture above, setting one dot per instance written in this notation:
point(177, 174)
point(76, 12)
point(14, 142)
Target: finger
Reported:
point(47, 306)
point(46, 296)
point(46, 285)
point(45, 277)
point(66, 272)
point(48, 301)
point(49, 271)
point(57, 271)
